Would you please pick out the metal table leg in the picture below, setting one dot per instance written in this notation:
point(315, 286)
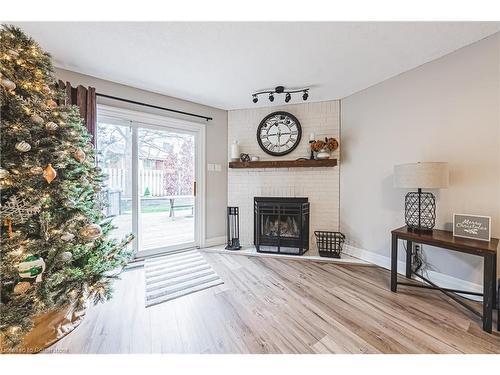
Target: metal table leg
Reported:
point(394, 263)
point(409, 248)
point(488, 290)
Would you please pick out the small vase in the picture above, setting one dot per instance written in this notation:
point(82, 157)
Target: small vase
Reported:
point(323, 154)
point(235, 151)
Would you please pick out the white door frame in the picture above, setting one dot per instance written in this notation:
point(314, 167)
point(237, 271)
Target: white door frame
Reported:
point(154, 121)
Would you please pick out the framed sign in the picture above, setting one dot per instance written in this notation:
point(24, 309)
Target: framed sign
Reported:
point(472, 226)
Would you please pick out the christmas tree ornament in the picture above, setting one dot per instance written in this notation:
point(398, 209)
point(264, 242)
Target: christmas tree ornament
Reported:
point(36, 170)
point(4, 173)
point(49, 173)
point(23, 146)
point(51, 126)
point(59, 154)
point(22, 287)
point(37, 119)
point(66, 237)
point(8, 84)
point(90, 232)
point(13, 53)
point(66, 256)
point(18, 210)
point(32, 268)
point(8, 223)
point(51, 104)
point(71, 203)
point(79, 155)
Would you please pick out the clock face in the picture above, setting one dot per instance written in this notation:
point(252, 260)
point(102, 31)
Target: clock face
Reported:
point(279, 133)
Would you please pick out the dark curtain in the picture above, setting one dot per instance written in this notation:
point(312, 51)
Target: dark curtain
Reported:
point(85, 99)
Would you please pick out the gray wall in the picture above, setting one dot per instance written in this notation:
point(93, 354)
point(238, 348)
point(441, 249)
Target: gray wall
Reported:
point(216, 182)
point(445, 110)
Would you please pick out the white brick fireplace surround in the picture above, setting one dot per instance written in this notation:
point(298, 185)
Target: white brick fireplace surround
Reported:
point(320, 185)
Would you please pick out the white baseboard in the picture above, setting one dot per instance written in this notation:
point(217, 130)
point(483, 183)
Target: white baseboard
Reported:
point(444, 281)
point(214, 241)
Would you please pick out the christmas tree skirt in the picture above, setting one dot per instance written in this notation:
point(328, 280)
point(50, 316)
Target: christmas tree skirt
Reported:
point(48, 329)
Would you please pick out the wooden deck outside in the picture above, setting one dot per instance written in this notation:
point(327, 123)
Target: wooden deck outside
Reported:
point(158, 229)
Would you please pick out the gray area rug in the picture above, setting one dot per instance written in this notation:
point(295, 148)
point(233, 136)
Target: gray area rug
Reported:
point(176, 275)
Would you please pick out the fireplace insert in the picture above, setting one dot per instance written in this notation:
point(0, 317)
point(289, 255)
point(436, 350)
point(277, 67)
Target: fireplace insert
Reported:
point(281, 225)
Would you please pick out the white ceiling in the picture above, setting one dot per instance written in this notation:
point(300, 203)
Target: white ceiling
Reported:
point(222, 64)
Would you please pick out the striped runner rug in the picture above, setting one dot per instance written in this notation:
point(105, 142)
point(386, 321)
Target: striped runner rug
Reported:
point(176, 275)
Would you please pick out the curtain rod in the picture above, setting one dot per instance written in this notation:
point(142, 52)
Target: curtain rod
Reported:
point(153, 106)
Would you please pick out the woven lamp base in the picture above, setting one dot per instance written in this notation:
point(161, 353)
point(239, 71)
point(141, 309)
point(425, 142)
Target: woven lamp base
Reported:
point(420, 211)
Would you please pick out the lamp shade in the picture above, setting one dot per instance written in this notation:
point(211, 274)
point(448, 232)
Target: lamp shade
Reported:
point(427, 175)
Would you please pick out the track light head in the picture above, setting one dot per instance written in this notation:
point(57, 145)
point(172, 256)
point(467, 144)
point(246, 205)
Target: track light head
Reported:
point(278, 90)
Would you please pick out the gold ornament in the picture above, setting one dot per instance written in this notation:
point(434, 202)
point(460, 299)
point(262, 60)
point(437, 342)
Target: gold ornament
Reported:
point(8, 223)
point(4, 173)
point(79, 155)
point(8, 84)
point(36, 170)
point(51, 104)
point(37, 119)
point(91, 232)
point(51, 126)
point(22, 287)
point(23, 146)
point(49, 173)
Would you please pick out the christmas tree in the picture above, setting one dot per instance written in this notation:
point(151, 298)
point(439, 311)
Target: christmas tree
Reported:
point(54, 250)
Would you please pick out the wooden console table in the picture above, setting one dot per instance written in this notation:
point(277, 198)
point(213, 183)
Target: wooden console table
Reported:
point(446, 240)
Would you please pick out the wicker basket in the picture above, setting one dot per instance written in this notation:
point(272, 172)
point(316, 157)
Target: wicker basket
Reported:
point(329, 243)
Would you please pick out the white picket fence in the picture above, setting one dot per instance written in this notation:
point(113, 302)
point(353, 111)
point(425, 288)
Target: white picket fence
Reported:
point(120, 179)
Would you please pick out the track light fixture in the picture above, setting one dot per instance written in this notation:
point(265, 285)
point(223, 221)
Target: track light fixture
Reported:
point(281, 90)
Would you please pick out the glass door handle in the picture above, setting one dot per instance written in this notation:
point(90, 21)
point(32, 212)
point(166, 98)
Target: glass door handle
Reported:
point(194, 188)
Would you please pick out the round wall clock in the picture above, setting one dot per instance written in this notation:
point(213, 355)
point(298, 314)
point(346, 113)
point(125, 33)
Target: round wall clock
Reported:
point(279, 133)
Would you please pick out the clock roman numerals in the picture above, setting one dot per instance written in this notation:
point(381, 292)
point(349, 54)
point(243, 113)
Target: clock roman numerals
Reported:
point(279, 133)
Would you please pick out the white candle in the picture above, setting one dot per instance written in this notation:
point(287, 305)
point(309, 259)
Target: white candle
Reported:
point(312, 137)
point(235, 151)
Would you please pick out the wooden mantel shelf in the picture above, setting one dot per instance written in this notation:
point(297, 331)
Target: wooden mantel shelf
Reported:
point(304, 163)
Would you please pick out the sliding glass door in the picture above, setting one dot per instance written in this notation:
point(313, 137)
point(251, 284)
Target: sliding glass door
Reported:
point(152, 171)
point(166, 188)
point(114, 157)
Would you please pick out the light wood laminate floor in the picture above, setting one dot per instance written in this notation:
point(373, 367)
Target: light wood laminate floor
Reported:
point(269, 305)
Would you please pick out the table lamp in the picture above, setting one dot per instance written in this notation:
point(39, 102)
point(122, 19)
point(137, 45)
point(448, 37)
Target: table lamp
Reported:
point(420, 208)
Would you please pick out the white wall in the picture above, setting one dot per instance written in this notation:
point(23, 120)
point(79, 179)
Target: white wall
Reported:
point(445, 110)
point(320, 185)
point(216, 137)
